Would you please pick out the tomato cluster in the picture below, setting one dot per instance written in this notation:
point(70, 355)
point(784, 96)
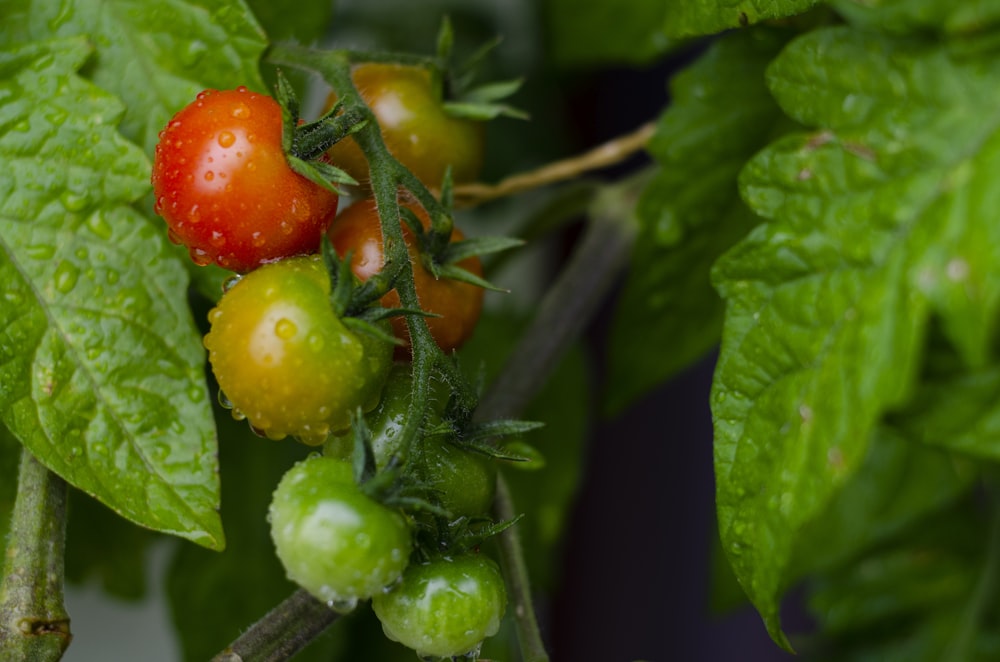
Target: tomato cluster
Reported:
point(290, 358)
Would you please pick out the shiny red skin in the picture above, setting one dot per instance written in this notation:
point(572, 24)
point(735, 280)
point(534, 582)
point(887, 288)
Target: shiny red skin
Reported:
point(459, 304)
point(224, 186)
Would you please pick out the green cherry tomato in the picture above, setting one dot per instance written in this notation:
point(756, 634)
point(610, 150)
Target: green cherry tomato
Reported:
point(463, 481)
point(223, 185)
point(285, 361)
point(333, 540)
point(414, 125)
point(446, 607)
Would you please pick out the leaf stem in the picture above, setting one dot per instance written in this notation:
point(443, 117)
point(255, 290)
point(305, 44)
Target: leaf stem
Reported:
point(34, 624)
point(282, 632)
point(604, 155)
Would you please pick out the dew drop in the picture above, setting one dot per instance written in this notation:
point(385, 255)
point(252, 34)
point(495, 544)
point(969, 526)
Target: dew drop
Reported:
point(226, 286)
point(241, 111)
point(40, 251)
point(74, 201)
point(238, 414)
point(343, 606)
point(316, 342)
point(285, 328)
point(66, 276)
point(217, 239)
point(224, 400)
point(99, 225)
point(200, 257)
point(226, 139)
point(195, 50)
point(209, 175)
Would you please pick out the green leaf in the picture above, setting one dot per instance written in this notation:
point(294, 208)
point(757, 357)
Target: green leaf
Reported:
point(963, 19)
point(213, 597)
point(101, 368)
point(898, 483)
point(701, 17)
point(156, 56)
point(929, 596)
point(885, 214)
point(961, 414)
point(691, 213)
point(607, 31)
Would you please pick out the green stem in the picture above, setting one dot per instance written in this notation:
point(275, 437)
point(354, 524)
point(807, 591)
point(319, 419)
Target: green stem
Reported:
point(34, 624)
point(283, 632)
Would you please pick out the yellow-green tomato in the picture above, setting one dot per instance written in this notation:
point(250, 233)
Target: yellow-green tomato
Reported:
point(283, 358)
point(333, 540)
point(445, 607)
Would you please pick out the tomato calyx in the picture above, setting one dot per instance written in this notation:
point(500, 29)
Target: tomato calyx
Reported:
point(462, 97)
point(305, 143)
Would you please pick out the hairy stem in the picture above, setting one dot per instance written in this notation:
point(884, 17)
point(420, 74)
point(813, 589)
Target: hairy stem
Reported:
point(283, 632)
point(34, 624)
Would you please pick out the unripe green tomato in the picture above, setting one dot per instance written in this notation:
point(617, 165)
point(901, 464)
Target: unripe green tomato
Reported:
point(464, 481)
point(283, 358)
point(333, 540)
point(445, 607)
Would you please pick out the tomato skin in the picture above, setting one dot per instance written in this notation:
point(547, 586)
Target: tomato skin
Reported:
point(445, 607)
point(225, 189)
point(459, 304)
point(333, 540)
point(414, 126)
point(284, 359)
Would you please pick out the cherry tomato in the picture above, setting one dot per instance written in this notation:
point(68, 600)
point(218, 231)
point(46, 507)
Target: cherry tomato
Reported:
point(446, 607)
point(459, 304)
point(283, 358)
point(225, 189)
point(414, 125)
point(333, 540)
point(463, 481)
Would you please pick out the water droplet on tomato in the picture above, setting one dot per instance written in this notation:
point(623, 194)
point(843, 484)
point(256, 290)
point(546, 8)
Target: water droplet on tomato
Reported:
point(217, 239)
point(200, 256)
point(226, 139)
point(226, 286)
point(241, 111)
point(285, 328)
point(224, 400)
point(238, 415)
point(209, 175)
point(194, 214)
point(343, 606)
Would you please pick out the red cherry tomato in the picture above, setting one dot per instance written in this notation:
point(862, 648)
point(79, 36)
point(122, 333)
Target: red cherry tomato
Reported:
point(225, 189)
point(459, 304)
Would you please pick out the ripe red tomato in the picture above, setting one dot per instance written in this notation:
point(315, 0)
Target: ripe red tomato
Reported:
point(415, 127)
point(459, 304)
point(225, 189)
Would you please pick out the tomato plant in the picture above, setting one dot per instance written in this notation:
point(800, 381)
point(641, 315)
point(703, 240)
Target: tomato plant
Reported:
point(225, 189)
point(284, 360)
point(768, 229)
point(332, 539)
point(455, 304)
point(445, 607)
point(416, 127)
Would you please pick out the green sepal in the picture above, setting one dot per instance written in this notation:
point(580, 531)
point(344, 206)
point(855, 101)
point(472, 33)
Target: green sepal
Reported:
point(289, 103)
point(491, 92)
point(466, 535)
point(455, 272)
point(478, 246)
point(313, 171)
point(482, 111)
point(363, 455)
point(359, 325)
point(342, 284)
